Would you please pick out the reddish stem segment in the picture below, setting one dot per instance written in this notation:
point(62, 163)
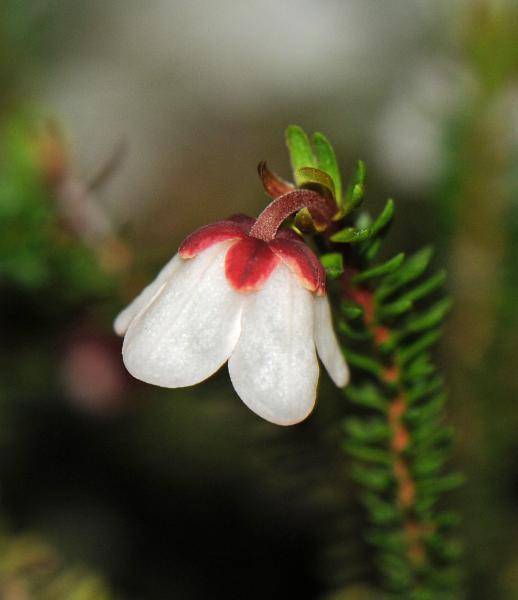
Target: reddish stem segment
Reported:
point(268, 222)
point(413, 529)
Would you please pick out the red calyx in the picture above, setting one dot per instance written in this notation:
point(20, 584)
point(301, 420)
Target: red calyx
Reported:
point(234, 228)
point(303, 263)
point(248, 264)
point(250, 260)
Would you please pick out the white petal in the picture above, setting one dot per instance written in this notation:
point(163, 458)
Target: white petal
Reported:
point(146, 296)
point(274, 367)
point(327, 345)
point(191, 327)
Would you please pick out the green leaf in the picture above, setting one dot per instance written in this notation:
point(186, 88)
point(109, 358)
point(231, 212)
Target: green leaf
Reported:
point(367, 430)
point(429, 464)
point(393, 309)
point(430, 318)
point(381, 512)
point(382, 269)
point(423, 506)
point(311, 177)
point(428, 435)
point(427, 429)
point(373, 478)
point(419, 368)
point(427, 287)
point(439, 485)
point(434, 454)
point(392, 540)
point(397, 572)
point(427, 411)
point(355, 189)
point(351, 311)
point(363, 220)
point(326, 160)
point(371, 249)
point(333, 263)
point(299, 147)
point(367, 396)
point(384, 218)
point(424, 342)
point(390, 344)
point(363, 362)
point(367, 453)
point(423, 388)
point(354, 334)
point(445, 550)
point(355, 235)
point(351, 235)
point(411, 269)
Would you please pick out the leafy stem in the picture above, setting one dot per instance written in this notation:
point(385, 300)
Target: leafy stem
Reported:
point(389, 316)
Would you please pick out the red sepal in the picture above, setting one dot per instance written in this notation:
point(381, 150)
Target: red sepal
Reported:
point(249, 263)
point(288, 234)
point(302, 262)
point(206, 236)
point(250, 260)
point(273, 185)
point(244, 221)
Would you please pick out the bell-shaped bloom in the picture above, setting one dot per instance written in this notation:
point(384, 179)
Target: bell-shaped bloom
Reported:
point(230, 296)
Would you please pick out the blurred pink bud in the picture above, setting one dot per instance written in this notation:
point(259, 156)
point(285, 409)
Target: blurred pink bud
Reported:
point(92, 376)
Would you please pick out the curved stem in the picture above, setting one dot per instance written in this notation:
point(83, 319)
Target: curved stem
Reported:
point(268, 222)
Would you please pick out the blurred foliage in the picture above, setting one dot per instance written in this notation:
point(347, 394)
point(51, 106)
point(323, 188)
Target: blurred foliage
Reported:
point(31, 570)
point(477, 201)
point(37, 249)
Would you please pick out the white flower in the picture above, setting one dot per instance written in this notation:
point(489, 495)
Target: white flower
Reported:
point(228, 295)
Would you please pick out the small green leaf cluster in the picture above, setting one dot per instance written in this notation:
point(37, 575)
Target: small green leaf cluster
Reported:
point(314, 165)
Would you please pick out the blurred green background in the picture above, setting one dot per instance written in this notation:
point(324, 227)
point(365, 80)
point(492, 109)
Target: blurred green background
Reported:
point(124, 125)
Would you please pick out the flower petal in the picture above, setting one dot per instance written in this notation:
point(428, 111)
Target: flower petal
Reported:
point(327, 345)
point(190, 329)
point(274, 367)
point(146, 296)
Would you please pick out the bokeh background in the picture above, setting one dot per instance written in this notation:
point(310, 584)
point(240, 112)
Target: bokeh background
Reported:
point(123, 126)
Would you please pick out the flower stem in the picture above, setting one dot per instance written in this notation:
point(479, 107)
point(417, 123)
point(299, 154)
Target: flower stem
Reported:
point(268, 222)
